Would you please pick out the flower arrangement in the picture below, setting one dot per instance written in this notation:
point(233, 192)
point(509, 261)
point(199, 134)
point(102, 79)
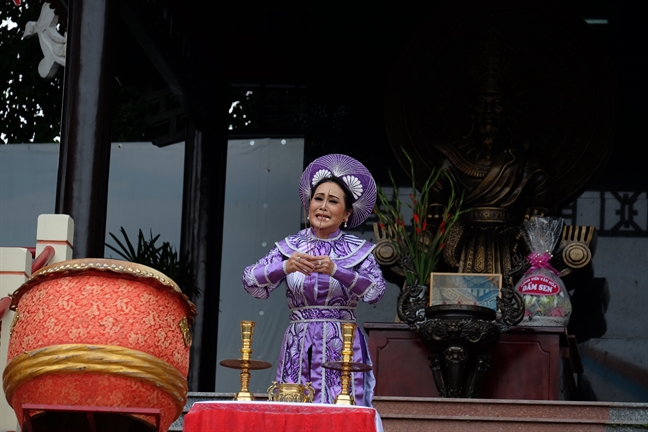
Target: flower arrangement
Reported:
point(419, 248)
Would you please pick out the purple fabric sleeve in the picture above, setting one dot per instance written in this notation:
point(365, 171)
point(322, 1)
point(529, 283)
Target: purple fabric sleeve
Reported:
point(262, 278)
point(365, 281)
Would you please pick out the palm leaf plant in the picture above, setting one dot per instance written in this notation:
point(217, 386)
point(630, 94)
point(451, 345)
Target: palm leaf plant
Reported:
point(163, 258)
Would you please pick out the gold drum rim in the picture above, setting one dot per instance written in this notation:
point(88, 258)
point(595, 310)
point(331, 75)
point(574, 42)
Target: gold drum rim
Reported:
point(102, 359)
point(106, 267)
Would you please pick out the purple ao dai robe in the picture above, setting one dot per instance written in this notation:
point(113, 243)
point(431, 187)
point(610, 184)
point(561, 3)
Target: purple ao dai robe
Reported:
point(319, 304)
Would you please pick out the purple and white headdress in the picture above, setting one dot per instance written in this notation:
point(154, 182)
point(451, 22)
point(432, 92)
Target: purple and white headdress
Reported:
point(355, 176)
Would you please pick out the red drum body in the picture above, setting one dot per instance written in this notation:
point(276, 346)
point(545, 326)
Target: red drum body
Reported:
point(98, 332)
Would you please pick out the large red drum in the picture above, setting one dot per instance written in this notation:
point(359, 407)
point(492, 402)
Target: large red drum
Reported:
point(98, 332)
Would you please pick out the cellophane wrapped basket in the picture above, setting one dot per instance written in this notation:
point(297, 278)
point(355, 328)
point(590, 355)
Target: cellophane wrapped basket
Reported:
point(546, 300)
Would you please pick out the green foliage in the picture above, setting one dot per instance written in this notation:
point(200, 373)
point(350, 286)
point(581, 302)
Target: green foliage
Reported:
point(162, 258)
point(129, 116)
point(30, 106)
point(420, 248)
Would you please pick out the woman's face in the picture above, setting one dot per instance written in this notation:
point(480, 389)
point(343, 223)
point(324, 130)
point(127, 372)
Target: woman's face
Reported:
point(327, 210)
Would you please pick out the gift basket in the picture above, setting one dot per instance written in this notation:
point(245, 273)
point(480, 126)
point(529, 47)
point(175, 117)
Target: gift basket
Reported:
point(546, 300)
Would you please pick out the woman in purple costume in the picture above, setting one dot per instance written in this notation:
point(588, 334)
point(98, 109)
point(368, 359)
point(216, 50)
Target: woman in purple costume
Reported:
point(327, 272)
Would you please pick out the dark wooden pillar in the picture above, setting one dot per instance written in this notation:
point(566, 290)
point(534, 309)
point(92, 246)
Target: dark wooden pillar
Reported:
point(84, 160)
point(202, 238)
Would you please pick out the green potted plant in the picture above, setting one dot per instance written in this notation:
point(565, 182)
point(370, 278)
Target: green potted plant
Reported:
point(163, 258)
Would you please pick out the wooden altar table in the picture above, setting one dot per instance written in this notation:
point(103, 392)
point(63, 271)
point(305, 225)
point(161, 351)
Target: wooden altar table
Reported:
point(533, 363)
point(235, 416)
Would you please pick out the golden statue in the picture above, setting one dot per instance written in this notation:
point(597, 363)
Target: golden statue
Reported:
point(517, 153)
point(517, 106)
point(521, 130)
point(503, 182)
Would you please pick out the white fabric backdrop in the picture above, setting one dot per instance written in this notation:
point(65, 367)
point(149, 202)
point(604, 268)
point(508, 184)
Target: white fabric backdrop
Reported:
point(261, 207)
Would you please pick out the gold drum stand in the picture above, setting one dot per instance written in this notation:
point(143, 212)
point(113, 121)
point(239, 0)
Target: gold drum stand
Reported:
point(346, 366)
point(245, 364)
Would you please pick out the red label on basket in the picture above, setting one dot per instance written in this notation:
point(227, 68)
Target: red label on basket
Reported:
point(539, 285)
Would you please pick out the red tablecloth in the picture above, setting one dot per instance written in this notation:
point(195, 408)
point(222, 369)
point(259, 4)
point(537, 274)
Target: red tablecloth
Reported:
point(234, 416)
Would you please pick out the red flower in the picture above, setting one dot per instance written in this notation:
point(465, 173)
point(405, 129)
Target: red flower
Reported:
point(418, 230)
point(442, 246)
point(416, 218)
point(381, 225)
point(424, 225)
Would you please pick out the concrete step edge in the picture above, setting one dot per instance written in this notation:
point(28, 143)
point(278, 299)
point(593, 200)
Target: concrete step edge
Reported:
point(504, 402)
point(424, 417)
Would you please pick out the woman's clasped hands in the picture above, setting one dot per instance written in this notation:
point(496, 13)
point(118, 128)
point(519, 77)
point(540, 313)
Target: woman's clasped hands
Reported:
point(307, 264)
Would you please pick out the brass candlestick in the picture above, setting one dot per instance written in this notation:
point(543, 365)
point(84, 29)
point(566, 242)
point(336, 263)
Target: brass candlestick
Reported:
point(346, 366)
point(245, 363)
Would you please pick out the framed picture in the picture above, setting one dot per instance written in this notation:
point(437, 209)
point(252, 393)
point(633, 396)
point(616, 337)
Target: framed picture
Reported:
point(477, 289)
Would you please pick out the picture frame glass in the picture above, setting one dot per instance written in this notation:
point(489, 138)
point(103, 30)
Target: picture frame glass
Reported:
point(465, 289)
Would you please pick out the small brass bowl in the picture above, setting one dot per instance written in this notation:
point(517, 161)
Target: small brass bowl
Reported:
point(289, 392)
